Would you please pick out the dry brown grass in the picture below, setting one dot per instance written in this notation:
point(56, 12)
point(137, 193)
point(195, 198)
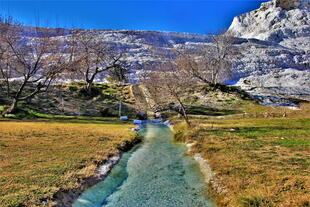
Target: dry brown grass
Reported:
point(259, 161)
point(39, 158)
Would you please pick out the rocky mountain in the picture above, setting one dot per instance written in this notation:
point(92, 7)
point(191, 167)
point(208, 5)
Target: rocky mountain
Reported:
point(139, 46)
point(277, 21)
point(274, 40)
point(276, 48)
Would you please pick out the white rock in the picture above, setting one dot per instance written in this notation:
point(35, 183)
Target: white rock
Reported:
point(276, 24)
point(275, 43)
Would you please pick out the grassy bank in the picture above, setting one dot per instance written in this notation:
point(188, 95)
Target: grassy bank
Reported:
point(41, 157)
point(260, 158)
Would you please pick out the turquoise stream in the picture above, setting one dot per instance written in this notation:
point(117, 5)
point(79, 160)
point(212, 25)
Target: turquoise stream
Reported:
point(156, 174)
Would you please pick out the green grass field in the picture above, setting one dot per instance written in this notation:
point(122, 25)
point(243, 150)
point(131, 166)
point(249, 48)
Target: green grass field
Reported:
point(40, 157)
point(261, 158)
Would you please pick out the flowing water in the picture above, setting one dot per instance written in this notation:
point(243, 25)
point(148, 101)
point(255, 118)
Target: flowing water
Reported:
point(155, 174)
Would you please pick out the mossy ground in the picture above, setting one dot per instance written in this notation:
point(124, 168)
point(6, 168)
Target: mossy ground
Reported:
point(260, 158)
point(72, 99)
point(40, 157)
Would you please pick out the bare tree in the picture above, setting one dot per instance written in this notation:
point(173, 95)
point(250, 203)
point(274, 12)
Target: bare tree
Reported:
point(29, 65)
point(166, 88)
point(213, 63)
point(118, 73)
point(5, 61)
point(96, 57)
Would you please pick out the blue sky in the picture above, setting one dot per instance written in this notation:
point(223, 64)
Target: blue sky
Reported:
point(192, 16)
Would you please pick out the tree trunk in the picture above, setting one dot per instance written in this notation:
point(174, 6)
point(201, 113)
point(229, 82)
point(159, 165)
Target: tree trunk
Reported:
point(90, 82)
point(88, 87)
point(12, 108)
point(184, 114)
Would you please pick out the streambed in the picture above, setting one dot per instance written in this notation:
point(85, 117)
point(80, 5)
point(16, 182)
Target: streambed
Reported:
point(154, 174)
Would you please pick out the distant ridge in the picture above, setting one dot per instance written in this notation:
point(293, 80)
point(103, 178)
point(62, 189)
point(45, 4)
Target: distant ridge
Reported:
point(274, 41)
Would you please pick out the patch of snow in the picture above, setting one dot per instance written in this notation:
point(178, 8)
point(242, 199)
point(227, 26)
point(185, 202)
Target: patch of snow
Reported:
point(107, 166)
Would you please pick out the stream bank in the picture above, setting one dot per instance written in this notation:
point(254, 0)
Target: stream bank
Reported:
point(157, 173)
point(65, 198)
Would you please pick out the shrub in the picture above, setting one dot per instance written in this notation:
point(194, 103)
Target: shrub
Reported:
point(254, 202)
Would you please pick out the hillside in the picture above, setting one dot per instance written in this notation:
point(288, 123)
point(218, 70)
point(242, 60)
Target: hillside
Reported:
point(71, 99)
point(274, 41)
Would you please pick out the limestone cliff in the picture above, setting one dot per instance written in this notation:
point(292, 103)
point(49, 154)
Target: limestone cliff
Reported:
point(286, 22)
point(276, 50)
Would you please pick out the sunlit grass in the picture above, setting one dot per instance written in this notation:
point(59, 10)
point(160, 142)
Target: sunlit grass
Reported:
point(261, 158)
point(38, 158)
